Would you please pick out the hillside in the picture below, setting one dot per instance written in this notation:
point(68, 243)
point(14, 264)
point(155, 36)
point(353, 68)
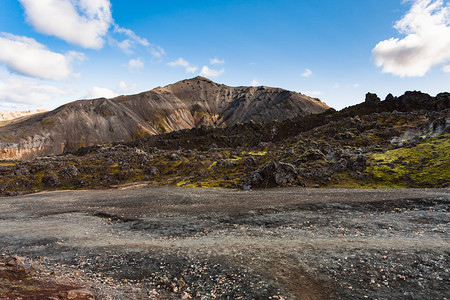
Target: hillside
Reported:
point(186, 104)
point(398, 142)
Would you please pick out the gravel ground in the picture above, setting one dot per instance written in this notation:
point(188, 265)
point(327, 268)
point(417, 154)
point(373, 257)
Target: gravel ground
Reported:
point(145, 242)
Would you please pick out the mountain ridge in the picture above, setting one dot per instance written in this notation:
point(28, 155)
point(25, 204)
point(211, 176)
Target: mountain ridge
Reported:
point(185, 104)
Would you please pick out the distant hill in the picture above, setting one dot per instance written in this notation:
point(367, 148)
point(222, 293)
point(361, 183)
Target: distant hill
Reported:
point(186, 104)
point(9, 115)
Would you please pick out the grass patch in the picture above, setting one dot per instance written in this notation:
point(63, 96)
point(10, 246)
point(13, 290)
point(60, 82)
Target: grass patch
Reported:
point(424, 165)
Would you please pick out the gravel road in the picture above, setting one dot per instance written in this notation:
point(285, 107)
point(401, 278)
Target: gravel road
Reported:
point(143, 242)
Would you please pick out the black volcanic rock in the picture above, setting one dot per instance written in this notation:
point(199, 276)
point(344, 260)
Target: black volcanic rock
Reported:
point(372, 99)
point(186, 104)
point(274, 174)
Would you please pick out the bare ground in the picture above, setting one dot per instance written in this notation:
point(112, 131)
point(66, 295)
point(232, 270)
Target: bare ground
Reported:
point(169, 243)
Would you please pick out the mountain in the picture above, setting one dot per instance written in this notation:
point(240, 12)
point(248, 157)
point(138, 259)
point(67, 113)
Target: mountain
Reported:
point(399, 142)
point(186, 104)
point(9, 115)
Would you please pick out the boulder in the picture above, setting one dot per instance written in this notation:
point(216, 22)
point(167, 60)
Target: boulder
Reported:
point(274, 174)
point(51, 181)
point(312, 155)
point(359, 163)
point(69, 172)
point(152, 171)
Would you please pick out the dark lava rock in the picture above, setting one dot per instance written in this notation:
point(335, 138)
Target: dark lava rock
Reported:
point(51, 181)
point(69, 172)
point(21, 171)
point(359, 164)
point(372, 99)
point(340, 165)
point(274, 174)
point(152, 171)
point(312, 155)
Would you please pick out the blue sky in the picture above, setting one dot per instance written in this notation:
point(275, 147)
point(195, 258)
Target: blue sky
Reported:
point(56, 51)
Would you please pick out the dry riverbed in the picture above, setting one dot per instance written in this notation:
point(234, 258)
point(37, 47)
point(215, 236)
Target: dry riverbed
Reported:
point(171, 243)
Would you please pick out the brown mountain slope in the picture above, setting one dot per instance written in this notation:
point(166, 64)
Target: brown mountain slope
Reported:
point(183, 105)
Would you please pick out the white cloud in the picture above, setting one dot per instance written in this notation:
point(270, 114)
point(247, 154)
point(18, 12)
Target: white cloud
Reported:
point(312, 93)
point(211, 72)
point(426, 44)
point(157, 51)
point(25, 56)
point(80, 22)
point(135, 64)
point(183, 63)
point(446, 68)
point(356, 85)
point(14, 90)
point(99, 92)
point(307, 73)
point(132, 36)
point(127, 45)
point(216, 61)
point(124, 88)
point(336, 85)
point(255, 82)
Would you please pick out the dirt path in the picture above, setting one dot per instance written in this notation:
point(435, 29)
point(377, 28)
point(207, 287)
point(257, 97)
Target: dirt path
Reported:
point(169, 243)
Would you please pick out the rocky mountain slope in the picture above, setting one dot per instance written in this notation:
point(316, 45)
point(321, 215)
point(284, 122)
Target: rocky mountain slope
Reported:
point(399, 142)
point(186, 104)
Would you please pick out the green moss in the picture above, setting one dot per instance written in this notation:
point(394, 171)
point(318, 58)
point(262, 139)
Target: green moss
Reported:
point(427, 164)
point(8, 137)
point(8, 163)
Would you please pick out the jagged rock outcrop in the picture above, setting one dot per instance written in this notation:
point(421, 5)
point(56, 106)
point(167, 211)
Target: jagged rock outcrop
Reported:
point(183, 105)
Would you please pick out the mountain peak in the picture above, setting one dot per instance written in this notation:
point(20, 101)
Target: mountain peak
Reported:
point(201, 78)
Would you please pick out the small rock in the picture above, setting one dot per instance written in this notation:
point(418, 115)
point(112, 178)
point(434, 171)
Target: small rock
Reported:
point(80, 294)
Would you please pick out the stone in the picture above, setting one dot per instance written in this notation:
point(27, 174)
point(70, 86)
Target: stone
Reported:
point(340, 165)
point(80, 294)
point(312, 155)
point(152, 171)
point(274, 174)
point(359, 164)
point(51, 181)
point(69, 172)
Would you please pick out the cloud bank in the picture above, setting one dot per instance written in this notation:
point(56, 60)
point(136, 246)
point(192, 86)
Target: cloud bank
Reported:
point(80, 22)
point(426, 43)
point(25, 56)
point(15, 90)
